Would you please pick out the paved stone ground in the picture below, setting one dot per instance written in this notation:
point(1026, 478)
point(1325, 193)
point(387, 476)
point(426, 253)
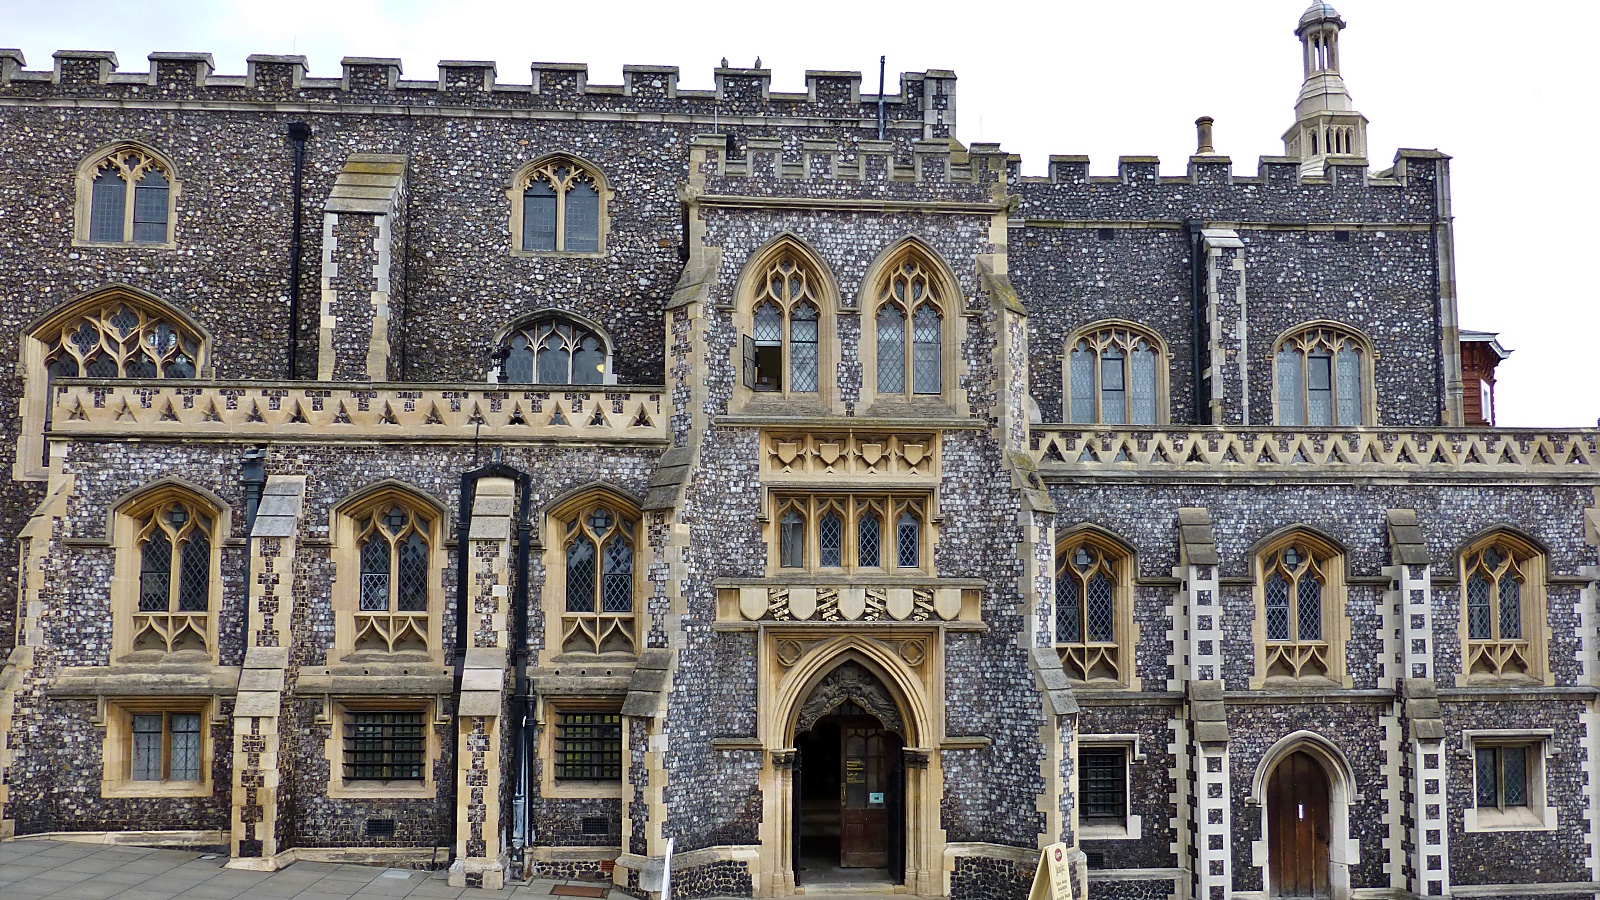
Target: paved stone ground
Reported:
point(34, 869)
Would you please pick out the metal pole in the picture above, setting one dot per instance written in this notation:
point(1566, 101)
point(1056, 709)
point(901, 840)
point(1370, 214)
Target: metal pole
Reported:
point(883, 124)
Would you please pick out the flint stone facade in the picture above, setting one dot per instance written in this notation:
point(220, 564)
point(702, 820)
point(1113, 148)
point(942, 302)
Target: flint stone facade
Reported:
point(389, 382)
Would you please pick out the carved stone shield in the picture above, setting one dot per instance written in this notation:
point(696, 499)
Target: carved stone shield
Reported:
point(829, 453)
point(872, 453)
point(913, 453)
point(788, 452)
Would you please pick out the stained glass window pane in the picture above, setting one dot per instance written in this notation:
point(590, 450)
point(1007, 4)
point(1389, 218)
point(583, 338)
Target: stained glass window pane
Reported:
point(925, 375)
point(868, 540)
point(830, 537)
point(1069, 622)
point(554, 359)
point(1082, 384)
point(155, 573)
point(580, 575)
point(413, 574)
point(619, 577)
point(194, 585)
point(1101, 608)
point(108, 204)
point(1277, 591)
point(519, 360)
point(1113, 388)
point(791, 540)
point(1349, 387)
point(147, 748)
point(185, 747)
point(1479, 627)
point(891, 351)
point(1310, 611)
point(1488, 777)
point(150, 209)
point(803, 349)
point(1514, 765)
point(539, 217)
point(908, 540)
point(1289, 400)
point(589, 361)
point(1143, 364)
point(768, 324)
point(1510, 608)
point(375, 573)
point(1319, 388)
point(583, 219)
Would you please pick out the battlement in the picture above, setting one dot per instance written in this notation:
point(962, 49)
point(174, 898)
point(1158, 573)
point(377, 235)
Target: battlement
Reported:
point(774, 160)
point(925, 99)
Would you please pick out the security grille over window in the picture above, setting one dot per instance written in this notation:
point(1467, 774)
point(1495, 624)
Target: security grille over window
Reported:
point(560, 208)
point(128, 201)
point(1103, 785)
point(1503, 774)
point(781, 351)
point(909, 326)
point(1112, 377)
point(600, 583)
point(120, 340)
point(1321, 380)
point(555, 351)
point(166, 747)
point(589, 746)
point(847, 533)
point(396, 547)
point(1293, 587)
point(174, 612)
point(384, 746)
point(1086, 612)
point(1497, 643)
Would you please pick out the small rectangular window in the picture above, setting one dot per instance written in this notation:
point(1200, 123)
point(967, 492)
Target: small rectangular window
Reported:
point(1103, 785)
point(166, 747)
point(1503, 775)
point(384, 746)
point(1106, 234)
point(588, 746)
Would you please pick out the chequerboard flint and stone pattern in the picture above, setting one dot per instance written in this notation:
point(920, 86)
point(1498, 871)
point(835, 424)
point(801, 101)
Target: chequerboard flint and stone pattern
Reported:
point(422, 252)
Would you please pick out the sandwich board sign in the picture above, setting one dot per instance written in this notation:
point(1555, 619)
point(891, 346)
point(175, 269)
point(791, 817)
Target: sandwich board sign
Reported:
point(1053, 879)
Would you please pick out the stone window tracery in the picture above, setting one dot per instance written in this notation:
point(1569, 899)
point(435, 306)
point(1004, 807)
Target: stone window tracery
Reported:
point(783, 351)
point(388, 589)
point(1093, 609)
point(125, 198)
point(599, 543)
point(119, 339)
point(1116, 375)
point(1502, 609)
point(555, 350)
point(909, 331)
point(559, 206)
point(172, 557)
point(852, 532)
point(1300, 610)
point(1322, 379)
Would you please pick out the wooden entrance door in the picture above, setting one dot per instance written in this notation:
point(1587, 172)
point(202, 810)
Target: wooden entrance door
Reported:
point(867, 782)
point(1298, 828)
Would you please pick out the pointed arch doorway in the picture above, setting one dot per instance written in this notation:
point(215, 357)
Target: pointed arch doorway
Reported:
point(849, 798)
point(1298, 828)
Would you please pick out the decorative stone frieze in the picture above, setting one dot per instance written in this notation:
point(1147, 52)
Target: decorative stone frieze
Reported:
point(932, 603)
point(852, 454)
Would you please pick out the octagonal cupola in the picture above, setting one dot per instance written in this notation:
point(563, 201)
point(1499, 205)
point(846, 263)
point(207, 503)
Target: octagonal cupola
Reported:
point(1326, 121)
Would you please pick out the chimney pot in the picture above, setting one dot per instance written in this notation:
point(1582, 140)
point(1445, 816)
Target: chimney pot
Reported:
point(1202, 127)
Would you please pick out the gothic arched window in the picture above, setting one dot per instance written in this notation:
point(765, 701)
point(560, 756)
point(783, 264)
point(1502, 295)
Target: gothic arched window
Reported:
point(851, 532)
point(394, 536)
point(555, 350)
point(558, 206)
point(171, 546)
point(1093, 609)
point(599, 541)
point(120, 339)
point(1116, 375)
point(1503, 608)
point(1322, 379)
point(908, 329)
point(788, 347)
point(125, 197)
point(1300, 597)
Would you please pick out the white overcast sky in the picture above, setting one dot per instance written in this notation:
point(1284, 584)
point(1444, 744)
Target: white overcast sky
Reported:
point(1506, 89)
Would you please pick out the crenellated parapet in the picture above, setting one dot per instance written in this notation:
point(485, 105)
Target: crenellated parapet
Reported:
point(925, 103)
point(939, 171)
point(1345, 191)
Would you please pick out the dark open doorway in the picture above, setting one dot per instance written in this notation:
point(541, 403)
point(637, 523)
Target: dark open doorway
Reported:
point(849, 800)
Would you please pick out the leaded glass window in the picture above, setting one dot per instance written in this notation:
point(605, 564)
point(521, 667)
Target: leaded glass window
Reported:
point(1086, 629)
point(165, 747)
point(850, 532)
point(909, 326)
point(129, 200)
point(561, 208)
point(555, 350)
point(175, 581)
point(784, 351)
point(120, 339)
point(394, 541)
point(1503, 776)
point(830, 540)
point(869, 532)
point(908, 540)
point(792, 540)
point(1319, 379)
point(1113, 378)
point(384, 746)
point(600, 545)
point(1294, 587)
point(1496, 582)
